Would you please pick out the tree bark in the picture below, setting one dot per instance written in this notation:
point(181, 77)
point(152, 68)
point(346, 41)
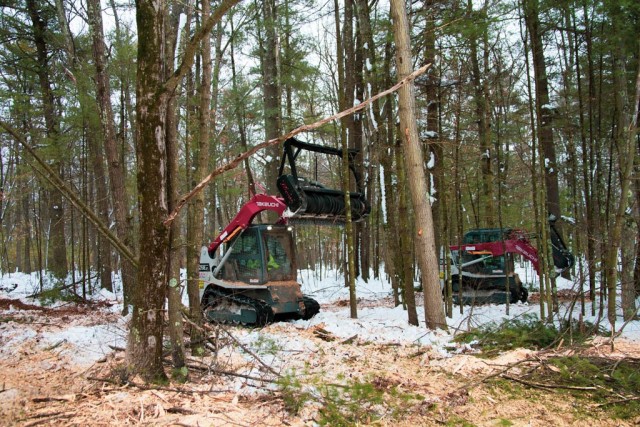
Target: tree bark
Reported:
point(144, 346)
point(625, 137)
point(115, 166)
point(271, 90)
point(424, 233)
point(406, 254)
point(57, 255)
point(195, 230)
point(544, 111)
point(175, 326)
point(153, 91)
point(481, 100)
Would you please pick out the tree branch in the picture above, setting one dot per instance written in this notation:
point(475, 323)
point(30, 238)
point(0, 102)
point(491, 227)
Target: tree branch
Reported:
point(192, 46)
point(304, 128)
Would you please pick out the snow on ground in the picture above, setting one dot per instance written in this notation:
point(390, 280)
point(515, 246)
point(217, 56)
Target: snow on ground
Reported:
point(389, 324)
point(378, 321)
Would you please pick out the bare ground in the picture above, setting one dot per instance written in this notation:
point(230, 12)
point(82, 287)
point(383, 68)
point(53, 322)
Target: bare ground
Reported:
point(47, 386)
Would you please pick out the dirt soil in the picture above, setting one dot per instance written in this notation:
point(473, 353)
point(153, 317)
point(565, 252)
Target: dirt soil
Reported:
point(47, 386)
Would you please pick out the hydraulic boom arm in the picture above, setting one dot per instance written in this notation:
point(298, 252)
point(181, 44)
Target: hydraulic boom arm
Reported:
point(257, 204)
point(518, 242)
point(520, 246)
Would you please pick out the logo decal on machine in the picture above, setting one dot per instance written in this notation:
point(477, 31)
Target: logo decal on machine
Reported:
point(268, 204)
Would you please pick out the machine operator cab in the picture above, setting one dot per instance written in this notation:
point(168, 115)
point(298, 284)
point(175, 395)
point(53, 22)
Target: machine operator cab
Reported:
point(260, 254)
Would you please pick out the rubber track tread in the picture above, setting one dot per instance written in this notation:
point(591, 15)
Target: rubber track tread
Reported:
point(264, 313)
point(311, 307)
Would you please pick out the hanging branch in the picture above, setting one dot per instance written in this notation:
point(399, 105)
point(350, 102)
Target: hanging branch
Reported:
point(55, 180)
point(304, 128)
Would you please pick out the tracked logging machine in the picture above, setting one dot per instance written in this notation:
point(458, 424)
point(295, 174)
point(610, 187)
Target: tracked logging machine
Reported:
point(482, 269)
point(254, 280)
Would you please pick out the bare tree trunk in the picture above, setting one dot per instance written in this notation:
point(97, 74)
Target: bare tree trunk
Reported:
point(391, 249)
point(144, 348)
point(195, 230)
point(544, 118)
point(345, 55)
point(481, 100)
point(57, 254)
point(175, 326)
point(432, 100)
point(271, 89)
point(240, 117)
point(144, 345)
point(115, 166)
point(406, 241)
point(625, 137)
point(424, 233)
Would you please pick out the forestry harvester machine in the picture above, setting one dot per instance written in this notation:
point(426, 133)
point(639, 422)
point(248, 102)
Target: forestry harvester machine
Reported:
point(254, 280)
point(483, 268)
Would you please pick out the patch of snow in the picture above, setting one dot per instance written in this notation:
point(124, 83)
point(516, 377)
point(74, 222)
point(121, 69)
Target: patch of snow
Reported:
point(432, 160)
point(85, 344)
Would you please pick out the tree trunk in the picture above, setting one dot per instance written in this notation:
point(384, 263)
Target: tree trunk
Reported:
point(481, 100)
point(544, 112)
point(424, 233)
point(406, 242)
point(115, 166)
point(144, 345)
point(57, 254)
point(271, 89)
point(436, 149)
point(625, 139)
point(144, 350)
point(175, 326)
point(195, 231)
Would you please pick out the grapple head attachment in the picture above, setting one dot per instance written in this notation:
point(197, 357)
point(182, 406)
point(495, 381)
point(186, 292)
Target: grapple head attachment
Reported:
point(309, 200)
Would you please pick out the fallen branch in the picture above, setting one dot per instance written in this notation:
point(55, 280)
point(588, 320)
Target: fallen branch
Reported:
point(323, 334)
point(65, 287)
point(56, 345)
point(304, 128)
point(246, 377)
point(349, 340)
point(207, 327)
point(469, 385)
point(46, 417)
point(616, 402)
point(52, 399)
point(548, 386)
point(151, 388)
point(181, 411)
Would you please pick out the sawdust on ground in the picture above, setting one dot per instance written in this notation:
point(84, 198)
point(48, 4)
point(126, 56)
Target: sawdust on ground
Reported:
point(46, 387)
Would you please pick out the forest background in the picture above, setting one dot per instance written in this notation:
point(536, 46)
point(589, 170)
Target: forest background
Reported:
point(529, 109)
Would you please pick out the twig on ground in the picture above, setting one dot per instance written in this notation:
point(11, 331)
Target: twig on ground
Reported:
point(47, 417)
point(349, 340)
point(148, 387)
point(616, 402)
point(548, 386)
point(207, 327)
point(52, 399)
point(469, 385)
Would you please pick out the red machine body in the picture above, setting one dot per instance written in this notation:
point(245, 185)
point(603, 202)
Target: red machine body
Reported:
point(520, 246)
